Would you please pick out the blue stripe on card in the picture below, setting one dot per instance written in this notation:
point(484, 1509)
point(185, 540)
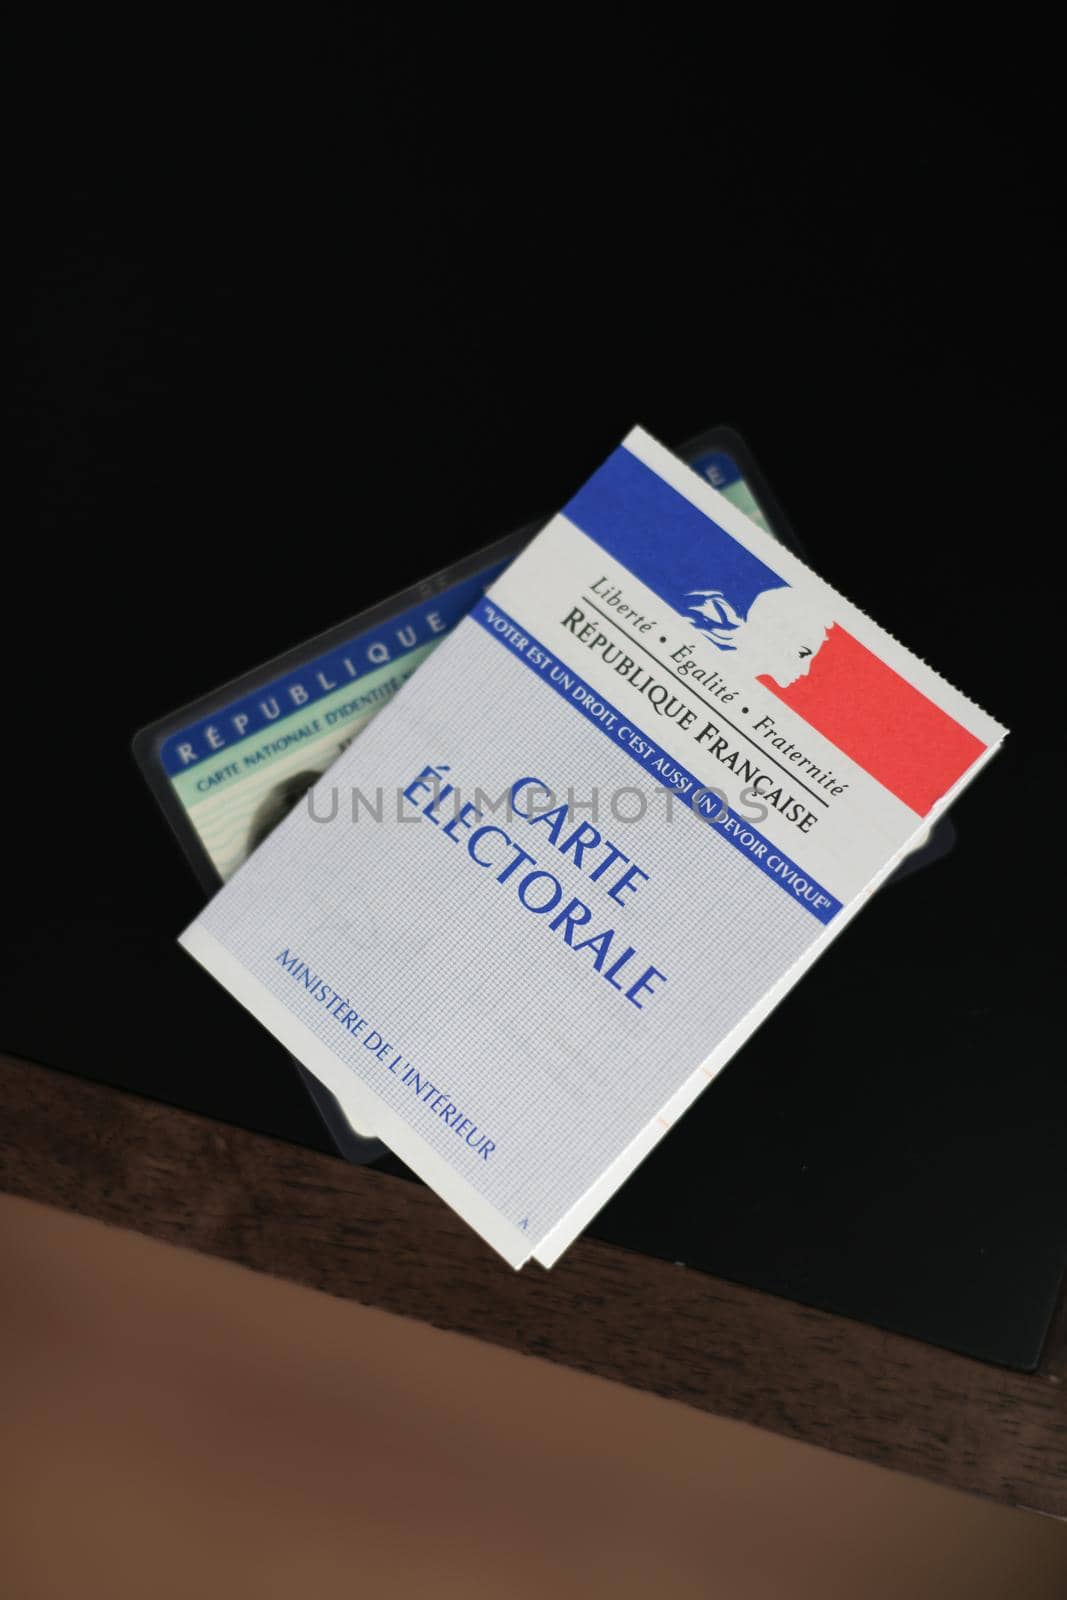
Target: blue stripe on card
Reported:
point(663, 539)
point(648, 753)
point(346, 663)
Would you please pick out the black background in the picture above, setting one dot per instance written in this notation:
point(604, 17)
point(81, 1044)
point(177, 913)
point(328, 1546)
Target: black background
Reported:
point(309, 317)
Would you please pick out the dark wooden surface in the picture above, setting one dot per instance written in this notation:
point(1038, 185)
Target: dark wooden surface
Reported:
point(281, 1209)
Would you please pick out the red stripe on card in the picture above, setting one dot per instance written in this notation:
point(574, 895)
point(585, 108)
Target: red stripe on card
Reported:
point(882, 722)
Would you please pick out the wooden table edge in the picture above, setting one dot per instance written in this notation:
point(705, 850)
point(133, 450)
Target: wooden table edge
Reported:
point(282, 1209)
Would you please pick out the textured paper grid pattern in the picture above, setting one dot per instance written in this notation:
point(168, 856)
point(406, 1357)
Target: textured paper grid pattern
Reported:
point(557, 1067)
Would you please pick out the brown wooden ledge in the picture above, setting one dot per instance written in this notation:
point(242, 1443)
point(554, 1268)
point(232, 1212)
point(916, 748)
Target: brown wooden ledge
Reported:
point(279, 1208)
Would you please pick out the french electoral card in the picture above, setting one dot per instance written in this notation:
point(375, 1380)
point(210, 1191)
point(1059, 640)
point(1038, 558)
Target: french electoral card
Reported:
point(532, 910)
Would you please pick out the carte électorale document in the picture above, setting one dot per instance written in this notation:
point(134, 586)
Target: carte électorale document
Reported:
point(528, 915)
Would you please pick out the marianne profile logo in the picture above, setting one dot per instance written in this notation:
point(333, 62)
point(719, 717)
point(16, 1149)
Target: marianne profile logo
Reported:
point(773, 632)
